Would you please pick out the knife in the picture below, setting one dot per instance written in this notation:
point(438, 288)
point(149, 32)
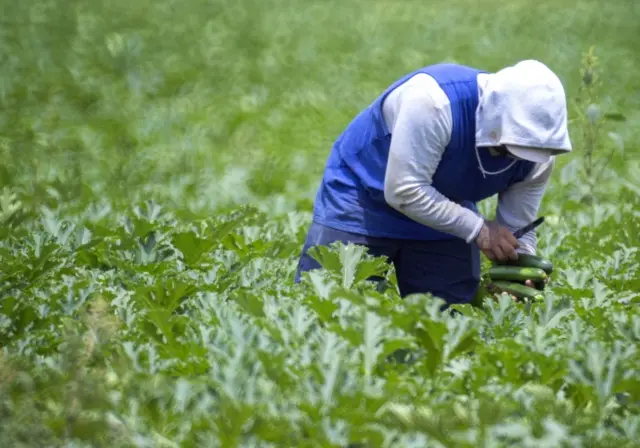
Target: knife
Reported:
point(528, 228)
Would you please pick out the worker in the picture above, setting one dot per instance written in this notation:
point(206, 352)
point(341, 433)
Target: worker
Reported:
point(405, 176)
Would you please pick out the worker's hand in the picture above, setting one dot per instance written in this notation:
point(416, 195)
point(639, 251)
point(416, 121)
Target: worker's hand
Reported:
point(497, 242)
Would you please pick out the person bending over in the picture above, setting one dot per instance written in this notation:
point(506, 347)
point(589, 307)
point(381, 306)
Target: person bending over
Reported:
point(405, 176)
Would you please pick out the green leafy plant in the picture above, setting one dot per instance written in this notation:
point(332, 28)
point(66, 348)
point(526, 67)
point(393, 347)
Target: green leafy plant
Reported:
point(593, 121)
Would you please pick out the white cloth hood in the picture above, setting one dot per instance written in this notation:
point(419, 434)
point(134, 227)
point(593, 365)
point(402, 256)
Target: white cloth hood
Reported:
point(524, 108)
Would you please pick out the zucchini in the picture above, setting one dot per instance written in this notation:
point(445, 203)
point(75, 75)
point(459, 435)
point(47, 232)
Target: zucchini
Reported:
point(517, 289)
point(517, 274)
point(530, 261)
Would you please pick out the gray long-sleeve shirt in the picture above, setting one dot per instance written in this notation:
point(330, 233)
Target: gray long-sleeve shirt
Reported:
point(418, 115)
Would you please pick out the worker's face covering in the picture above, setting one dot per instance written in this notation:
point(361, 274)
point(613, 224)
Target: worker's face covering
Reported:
point(523, 107)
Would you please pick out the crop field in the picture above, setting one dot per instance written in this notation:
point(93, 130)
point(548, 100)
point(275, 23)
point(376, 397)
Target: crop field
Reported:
point(159, 165)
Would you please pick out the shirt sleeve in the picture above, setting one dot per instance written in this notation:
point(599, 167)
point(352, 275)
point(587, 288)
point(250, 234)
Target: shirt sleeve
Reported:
point(418, 115)
point(519, 205)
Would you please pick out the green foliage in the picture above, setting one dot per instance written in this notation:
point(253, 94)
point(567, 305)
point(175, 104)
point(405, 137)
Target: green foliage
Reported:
point(123, 338)
point(159, 163)
point(592, 122)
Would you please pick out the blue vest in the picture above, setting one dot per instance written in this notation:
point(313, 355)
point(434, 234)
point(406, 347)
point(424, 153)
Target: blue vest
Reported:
point(351, 195)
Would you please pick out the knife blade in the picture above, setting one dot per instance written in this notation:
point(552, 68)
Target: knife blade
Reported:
point(528, 228)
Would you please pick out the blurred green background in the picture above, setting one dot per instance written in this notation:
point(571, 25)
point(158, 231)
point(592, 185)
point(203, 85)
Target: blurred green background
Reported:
point(202, 105)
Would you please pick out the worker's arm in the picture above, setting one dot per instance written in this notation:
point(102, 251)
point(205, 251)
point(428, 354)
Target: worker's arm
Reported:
point(519, 205)
point(418, 114)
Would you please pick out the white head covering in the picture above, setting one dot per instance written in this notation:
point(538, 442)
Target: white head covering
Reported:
point(524, 108)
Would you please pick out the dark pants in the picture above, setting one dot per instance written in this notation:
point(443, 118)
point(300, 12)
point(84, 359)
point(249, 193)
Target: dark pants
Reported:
point(449, 269)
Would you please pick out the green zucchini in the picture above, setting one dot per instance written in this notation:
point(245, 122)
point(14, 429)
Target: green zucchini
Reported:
point(517, 274)
point(529, 261)
point(516, 289)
